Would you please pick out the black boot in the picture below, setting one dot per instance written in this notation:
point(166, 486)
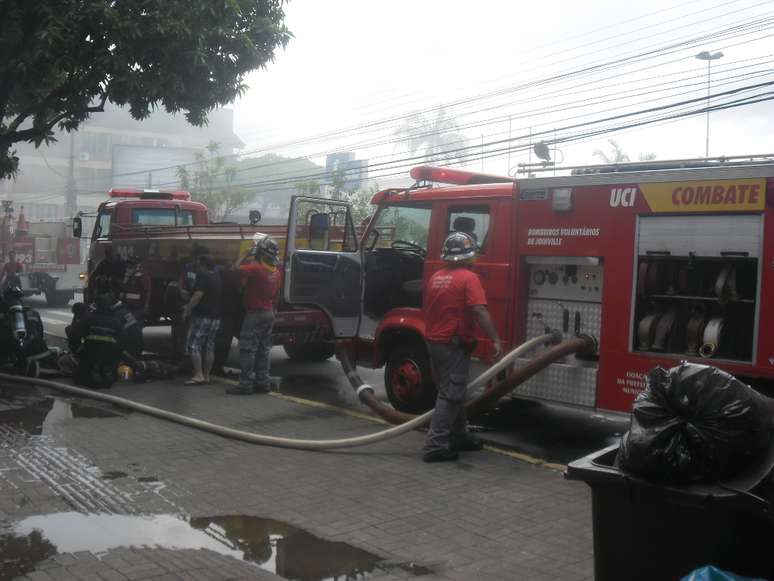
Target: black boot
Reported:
point(442, 455)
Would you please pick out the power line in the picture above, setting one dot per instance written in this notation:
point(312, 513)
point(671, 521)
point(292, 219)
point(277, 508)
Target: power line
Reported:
point(735, 29)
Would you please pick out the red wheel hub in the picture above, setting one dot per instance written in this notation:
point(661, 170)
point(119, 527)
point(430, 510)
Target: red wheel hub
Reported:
point(407, 380)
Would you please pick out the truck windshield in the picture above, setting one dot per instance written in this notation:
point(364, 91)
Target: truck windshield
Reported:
point(102, 227)
point(160, 217)
point(404, 223)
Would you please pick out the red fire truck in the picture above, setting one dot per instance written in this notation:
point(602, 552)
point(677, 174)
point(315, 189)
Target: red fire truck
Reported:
point(161, 229)
point(51, 259)
point(658, 265)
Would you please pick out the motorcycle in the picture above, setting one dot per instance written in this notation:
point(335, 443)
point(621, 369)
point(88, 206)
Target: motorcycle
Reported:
point(22, 343)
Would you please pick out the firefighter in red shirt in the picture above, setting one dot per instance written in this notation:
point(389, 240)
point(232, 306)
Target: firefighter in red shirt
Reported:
point(260, 283)
point(11, 271)
point(454, 301)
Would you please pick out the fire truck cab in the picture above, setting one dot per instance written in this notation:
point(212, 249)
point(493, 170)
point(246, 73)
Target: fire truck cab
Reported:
point(659, 266)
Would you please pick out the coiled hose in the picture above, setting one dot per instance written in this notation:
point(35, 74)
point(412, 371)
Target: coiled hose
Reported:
point(253, 438)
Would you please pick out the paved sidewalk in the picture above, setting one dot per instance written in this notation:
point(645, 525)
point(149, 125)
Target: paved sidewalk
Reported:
point(98, 486)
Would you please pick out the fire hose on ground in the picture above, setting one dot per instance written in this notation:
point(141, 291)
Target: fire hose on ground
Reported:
point(406, 422)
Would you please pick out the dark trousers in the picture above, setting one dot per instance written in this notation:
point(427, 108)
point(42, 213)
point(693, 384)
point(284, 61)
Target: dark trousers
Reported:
point(451, 365)
point(97, 365)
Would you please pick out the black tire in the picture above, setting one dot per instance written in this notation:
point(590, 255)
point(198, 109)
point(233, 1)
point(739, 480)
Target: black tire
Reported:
point(57, 299)
point(309, 352)
point(408, 379)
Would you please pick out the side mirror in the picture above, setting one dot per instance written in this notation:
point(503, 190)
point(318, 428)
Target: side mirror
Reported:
point(77, 227)
point(254, 217)
point(319, 229)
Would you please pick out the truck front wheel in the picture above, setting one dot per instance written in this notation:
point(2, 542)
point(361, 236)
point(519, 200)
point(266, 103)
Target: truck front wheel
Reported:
point(309, 352)
point(408, 379)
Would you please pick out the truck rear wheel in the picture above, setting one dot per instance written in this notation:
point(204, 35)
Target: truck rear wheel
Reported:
point(408, 379)
point(58, 298)
point(309, 352)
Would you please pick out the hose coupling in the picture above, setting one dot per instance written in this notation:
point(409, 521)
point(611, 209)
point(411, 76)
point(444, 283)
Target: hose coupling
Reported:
point(592, 344)
point(365, 387)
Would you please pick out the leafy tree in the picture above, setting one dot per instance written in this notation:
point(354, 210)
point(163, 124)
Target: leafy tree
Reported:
point(63, 61)
point(436, 137)
point(309, 188)
point(212, 183)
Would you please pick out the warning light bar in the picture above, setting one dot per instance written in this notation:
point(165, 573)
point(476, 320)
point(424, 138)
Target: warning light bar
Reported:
point(148, 194)
point(457, 177)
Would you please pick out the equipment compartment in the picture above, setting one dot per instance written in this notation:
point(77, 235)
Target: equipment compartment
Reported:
point(696, 285)
point(696, 306)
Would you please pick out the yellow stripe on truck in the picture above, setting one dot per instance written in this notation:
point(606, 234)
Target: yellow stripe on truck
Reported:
point(711, 196)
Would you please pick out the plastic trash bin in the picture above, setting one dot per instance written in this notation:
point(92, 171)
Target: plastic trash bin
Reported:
point(649, 531)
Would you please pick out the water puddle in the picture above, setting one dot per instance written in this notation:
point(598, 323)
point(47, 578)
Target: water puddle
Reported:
point(272, 545)
point(35, 415)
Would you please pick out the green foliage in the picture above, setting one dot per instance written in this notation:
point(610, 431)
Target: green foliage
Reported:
point(360, 201)
point(63, 61)
point(211, 182)
point(309, 188)
point(268, 178)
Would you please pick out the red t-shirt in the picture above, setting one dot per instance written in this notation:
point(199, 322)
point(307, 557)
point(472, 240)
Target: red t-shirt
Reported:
point(260, 286)
point(11, 268)
point(450, 295)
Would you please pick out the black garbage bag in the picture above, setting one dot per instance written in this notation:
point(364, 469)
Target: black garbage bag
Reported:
point(695, 422)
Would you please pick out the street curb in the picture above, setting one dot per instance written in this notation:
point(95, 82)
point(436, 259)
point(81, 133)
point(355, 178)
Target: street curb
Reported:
point(359, 415)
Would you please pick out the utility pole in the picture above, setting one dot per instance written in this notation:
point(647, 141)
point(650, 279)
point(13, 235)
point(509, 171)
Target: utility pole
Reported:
point(71, 200)
point(709, 57)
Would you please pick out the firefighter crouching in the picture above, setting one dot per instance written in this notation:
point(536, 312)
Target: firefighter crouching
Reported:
point(260, 283)
point(453, 300)
point(97, 338)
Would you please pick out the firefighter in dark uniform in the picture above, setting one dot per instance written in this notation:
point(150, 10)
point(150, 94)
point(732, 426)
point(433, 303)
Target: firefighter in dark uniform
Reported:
point(100, 334)
point(132, 331)
point(136, 294)
point(108, 276)
point(454, 301)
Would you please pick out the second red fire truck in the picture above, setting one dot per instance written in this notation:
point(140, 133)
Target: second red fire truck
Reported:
point(659, 265)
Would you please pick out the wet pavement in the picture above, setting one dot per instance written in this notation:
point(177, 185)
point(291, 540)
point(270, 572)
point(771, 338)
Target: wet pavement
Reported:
point(271, 545)
point(91, 491)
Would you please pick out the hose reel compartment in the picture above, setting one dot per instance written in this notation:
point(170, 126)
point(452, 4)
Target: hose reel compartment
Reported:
point(697, 285)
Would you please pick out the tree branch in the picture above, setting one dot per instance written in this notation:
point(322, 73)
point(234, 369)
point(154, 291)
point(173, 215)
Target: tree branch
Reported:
point(13, 136)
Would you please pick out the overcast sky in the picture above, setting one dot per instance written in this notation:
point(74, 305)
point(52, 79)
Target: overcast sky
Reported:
point(354, 62)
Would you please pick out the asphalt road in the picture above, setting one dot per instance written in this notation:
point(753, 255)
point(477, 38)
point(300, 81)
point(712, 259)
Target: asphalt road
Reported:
point(545, 432)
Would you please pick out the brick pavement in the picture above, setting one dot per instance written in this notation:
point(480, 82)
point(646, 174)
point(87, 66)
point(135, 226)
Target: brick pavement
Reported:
point(487, 516)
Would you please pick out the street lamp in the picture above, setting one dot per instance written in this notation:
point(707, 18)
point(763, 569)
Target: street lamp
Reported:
point(709, 57)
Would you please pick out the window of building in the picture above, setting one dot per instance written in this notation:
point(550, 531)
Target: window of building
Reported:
point(473, 220)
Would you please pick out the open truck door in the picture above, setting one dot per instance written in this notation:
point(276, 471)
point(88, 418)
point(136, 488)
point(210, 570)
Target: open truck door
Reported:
point(323, 265)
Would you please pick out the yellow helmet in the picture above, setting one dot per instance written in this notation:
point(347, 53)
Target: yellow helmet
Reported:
point(125, 373)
